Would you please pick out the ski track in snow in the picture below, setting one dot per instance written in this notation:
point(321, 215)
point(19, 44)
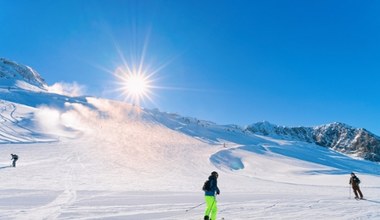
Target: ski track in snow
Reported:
point(260, 199)
point(170, 206)
point(11, 129)
point(135, 167)
point(55, 208)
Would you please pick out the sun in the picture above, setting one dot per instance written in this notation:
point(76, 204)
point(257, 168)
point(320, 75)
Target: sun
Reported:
point(136, 76)
point(134, 85)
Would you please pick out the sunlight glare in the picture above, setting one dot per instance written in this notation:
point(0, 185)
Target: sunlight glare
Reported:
point(134, 86)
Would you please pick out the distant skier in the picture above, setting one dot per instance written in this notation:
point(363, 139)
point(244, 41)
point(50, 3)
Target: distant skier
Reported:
point(14, 158)
point(211, 188)
point(354, 182)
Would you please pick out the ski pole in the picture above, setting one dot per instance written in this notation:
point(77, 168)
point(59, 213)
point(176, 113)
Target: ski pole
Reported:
point(195, 207)
point(349, 192)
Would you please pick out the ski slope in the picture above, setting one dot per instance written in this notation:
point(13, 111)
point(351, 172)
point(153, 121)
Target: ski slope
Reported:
point(90, 158)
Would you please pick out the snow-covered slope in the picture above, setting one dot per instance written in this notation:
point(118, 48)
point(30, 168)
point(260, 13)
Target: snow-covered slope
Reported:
point(91, 158)
point(14, 75)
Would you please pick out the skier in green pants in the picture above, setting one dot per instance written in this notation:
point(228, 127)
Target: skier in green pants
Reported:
point(211, 189)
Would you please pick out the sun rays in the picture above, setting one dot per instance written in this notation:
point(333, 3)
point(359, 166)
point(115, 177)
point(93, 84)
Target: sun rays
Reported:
point(136, 76)
point(134, 85)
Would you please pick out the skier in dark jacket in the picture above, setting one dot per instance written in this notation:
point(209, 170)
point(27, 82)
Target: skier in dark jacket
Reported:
point(211, 205)
point(354, 182)
point(14, 158)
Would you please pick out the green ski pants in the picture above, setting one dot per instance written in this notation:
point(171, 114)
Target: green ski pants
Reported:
point(211, 207)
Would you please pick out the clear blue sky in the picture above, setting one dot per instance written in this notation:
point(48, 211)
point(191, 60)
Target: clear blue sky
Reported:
point(293, 63)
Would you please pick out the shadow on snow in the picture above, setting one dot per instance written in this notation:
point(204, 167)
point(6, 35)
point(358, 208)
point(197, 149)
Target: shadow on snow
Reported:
point(338, 163)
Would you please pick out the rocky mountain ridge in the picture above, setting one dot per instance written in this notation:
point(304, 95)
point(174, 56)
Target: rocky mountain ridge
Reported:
point(12, 73)
point(338, 136)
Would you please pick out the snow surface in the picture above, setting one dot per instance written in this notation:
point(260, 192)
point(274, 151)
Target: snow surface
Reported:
point(90, 158)
point(14, 75)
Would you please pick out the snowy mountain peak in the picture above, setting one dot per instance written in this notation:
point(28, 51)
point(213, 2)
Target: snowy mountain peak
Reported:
point(334, 125)
point(336, 135)
point(264, 127)
point(17, 75)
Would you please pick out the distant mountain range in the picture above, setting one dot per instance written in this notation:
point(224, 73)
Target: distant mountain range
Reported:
point(338, 136)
